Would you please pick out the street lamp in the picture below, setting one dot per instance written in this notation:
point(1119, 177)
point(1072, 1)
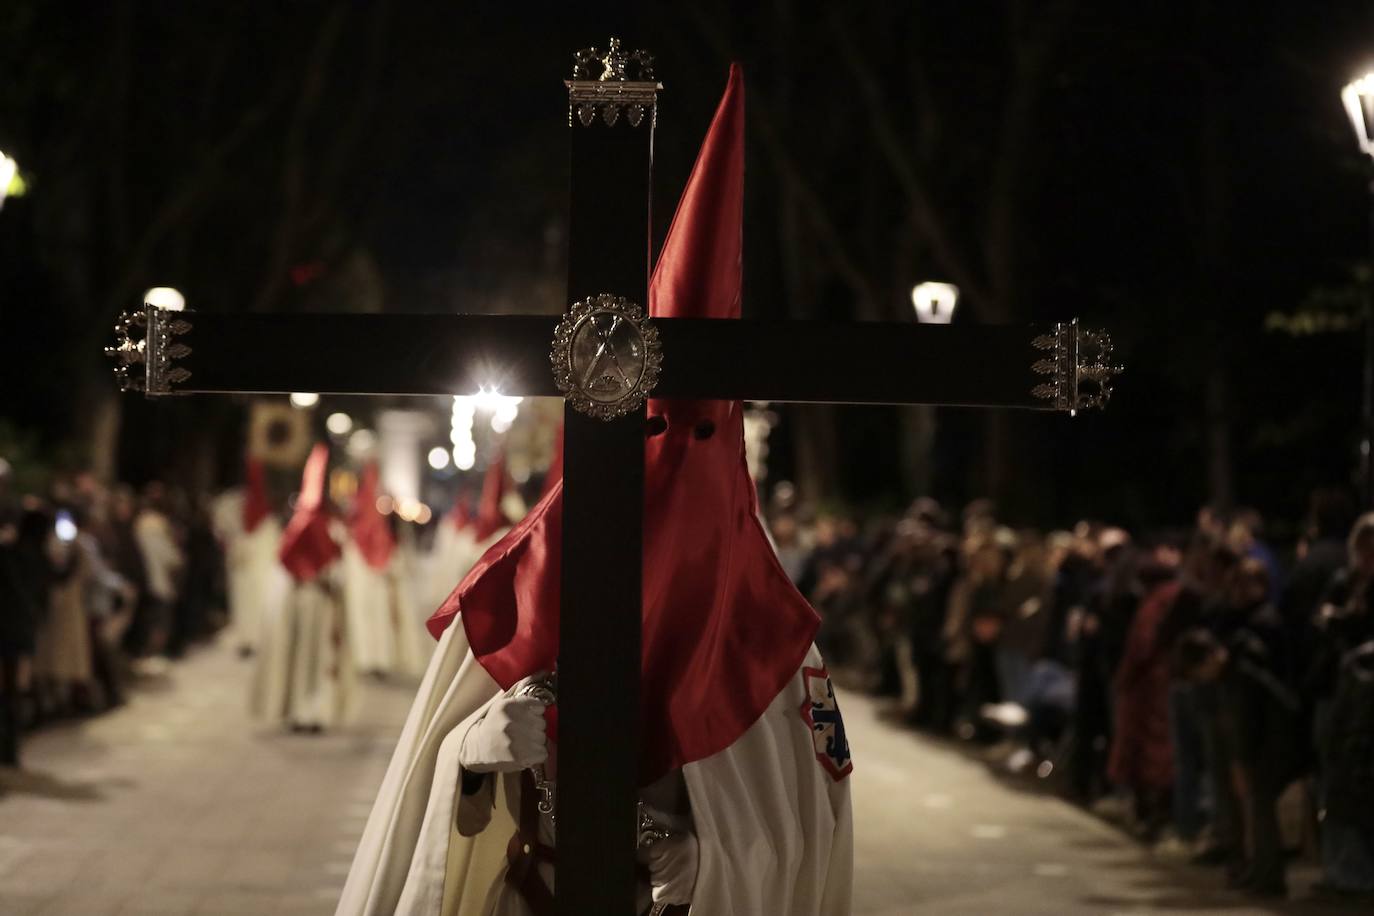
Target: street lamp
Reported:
point(934, 302)
point(1358, 98)
point(164, 297)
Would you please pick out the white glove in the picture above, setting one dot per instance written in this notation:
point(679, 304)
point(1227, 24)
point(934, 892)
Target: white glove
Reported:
point(673, 868)
point(510, 737)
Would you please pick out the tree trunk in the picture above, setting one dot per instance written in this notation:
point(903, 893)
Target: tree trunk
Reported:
point(917, 426)
point(103, 413)
point(816, 444)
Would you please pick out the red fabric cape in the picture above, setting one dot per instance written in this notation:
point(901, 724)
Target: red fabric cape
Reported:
point(724, 629)
point(256, 505)
point(307, 548)
point(367, 526)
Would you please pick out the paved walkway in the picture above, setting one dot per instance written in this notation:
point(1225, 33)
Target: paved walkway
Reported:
point(180, 804)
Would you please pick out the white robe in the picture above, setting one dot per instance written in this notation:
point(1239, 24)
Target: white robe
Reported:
point(367, 598)
point(304, 673)
point(413, 645)
point(253, 574)
point(774, 828)
point(386, 625)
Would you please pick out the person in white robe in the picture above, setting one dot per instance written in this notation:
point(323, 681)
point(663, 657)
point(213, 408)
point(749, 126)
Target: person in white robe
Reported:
point(250, 534)
point(368, 593)
point(387, 630)
point(748, 769)
point(304, 674)
point(461, 540)
point(413, 646)
point(451, 554)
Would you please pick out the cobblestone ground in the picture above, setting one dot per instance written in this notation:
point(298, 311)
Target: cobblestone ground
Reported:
point(180, 804)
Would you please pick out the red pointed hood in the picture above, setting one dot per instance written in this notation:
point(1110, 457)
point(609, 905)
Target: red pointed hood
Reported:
point(490, 519)
point(367, 526)
point(307, 548)
point(724, 629)
point(256, 506)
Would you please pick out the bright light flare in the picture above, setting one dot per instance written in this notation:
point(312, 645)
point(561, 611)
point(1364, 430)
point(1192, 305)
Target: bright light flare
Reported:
point(339, 424)
point(1358, 98)
point(164, 297)
point(10, 182)
point(304, 399)
point(502, 408)
point(438, 458)
point(934, 302)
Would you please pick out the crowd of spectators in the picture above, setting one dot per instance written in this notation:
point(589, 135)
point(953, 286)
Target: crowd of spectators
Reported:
point(1191, 684)
point(98, 586)
point(1181, 682)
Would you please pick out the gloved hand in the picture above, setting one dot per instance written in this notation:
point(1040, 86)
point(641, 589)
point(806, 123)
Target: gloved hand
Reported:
point(509, 738)
point(673, 868)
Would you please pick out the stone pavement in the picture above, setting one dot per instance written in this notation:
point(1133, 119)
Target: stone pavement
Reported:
point(180, 804)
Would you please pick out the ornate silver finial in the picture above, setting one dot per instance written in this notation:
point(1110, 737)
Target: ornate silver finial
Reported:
point(128, 351)
point(146, 351)
point(615, 64)
point(1079, 360)
point(606, 356)
point(610, 83)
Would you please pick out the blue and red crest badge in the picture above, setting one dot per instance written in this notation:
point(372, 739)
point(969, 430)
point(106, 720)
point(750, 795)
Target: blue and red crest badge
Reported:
point(821, 713)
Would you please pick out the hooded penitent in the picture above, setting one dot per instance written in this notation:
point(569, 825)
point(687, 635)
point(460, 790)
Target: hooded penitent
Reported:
point(307, 548)
point(490, 519)
point(723, 628)
point(367, 526)
point(733, 690)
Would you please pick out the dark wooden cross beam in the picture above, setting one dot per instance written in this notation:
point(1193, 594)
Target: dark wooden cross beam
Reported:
point(605, 360)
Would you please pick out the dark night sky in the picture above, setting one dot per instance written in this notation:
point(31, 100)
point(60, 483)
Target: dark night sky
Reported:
point(1186, 170)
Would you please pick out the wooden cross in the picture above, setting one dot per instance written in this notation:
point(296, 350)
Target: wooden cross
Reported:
point(606, 358)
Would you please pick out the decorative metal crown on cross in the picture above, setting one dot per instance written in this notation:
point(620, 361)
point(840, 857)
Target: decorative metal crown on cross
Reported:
point(611, 83)
point(146, 352)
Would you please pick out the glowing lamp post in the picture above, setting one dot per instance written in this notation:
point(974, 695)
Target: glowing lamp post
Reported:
point(934, 302)
point(1358, 98)
point(164, 297)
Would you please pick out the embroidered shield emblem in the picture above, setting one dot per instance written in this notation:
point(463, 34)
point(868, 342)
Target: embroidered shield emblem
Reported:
point(821, 713)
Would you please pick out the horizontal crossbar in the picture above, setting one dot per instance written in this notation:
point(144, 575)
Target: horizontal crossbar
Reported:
point(796, 361)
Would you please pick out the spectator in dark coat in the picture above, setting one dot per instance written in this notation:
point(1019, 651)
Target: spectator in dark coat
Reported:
point(1343, 627)
point(1257, 722)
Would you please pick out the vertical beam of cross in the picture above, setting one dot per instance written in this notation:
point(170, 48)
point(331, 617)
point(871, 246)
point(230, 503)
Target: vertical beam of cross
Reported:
point(603, 508)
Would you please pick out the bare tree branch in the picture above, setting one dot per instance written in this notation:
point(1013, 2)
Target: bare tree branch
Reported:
point(293, 175)
point(902, 162)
